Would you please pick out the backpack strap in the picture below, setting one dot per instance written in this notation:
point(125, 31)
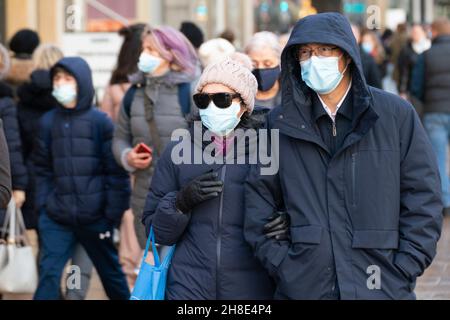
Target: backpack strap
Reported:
point(184, 97)
point(128, 99)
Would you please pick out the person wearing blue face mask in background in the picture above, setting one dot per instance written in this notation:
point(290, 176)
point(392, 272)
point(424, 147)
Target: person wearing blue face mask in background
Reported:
point(158, 102)
point(264, 50)
point(357, 175)
point(82, 192)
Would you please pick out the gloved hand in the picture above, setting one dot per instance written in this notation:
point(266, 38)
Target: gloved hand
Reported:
point(279, 226)
point(205, 187)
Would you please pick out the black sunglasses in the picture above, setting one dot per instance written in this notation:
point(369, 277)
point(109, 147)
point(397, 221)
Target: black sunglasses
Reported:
point(222, 100)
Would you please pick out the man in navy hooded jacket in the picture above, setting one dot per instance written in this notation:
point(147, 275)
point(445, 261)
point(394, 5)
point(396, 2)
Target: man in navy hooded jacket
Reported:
point(81, 191)
point(356, 173)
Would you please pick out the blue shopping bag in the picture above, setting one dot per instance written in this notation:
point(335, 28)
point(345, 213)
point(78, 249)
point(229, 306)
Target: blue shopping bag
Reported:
point(151, 281)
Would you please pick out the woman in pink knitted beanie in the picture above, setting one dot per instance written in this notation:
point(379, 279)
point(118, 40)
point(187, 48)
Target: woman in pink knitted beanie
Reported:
point(199, 205)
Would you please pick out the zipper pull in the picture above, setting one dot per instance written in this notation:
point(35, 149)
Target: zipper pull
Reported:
point(334, 129)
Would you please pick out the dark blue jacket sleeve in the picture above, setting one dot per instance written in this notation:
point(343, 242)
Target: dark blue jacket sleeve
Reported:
point(5, 174)
point(12, 134)
point(117, 180)
point(262, 198)
point(160, 210)
point(43, 160)
point(421, 205)
point(418, 79)
point(262, 194)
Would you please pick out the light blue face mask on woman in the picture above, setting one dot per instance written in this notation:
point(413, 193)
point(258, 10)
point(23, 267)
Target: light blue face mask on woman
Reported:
point(148, 63)
point(322, 74)
point(65, 94)
point(221, 121)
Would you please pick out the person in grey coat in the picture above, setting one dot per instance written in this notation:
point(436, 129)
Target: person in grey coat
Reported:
point(5, 172)
point(156, 105)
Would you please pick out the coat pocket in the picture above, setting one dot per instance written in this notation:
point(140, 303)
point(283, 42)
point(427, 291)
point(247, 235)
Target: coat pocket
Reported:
point(306, 234)
point(375, 239)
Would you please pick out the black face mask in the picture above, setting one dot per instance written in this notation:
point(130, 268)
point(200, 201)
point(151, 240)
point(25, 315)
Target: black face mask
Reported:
point(267, 77)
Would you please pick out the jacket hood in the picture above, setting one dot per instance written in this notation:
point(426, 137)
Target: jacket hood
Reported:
point(81, 71)
point(37, 94)
point(327, 28)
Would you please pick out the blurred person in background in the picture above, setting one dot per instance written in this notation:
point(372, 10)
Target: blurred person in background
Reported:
point(431, 84)
point(398, 42)
point(22, 45)
point(370, 68)
point(214, 50)
point(8, 115)
point(386, 39)
point(371, 45)
point(193, 33)
point(228, 35)
point(126, 66)
point(417, 44)
point(129, 249)
point(34, 100)
point(157, 104)
point(5, 173)
point(265, 52)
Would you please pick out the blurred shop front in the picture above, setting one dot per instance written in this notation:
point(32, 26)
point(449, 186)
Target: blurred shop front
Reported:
point(89, 27)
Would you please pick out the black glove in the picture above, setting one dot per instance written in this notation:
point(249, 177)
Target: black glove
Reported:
point(279, 227)
point(202, 188)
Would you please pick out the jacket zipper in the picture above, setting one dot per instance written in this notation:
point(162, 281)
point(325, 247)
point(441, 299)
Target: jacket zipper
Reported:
point(353, 179)
point(219, 235)
point(334, 129)
point(73, 209)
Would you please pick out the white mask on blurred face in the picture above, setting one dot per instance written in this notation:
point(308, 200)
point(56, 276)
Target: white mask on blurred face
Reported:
point(149, 63)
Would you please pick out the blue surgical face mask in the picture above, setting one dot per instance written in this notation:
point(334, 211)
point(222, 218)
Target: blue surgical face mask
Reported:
point(148, 63)
point(65, 94)
point(267, 77)
point(221, 121)
point(322, 74)
point(367, 47)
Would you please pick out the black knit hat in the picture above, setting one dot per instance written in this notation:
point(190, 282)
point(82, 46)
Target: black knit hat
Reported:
point(25, 41)
point(193, 33)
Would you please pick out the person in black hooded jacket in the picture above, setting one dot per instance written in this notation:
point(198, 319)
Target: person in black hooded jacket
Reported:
point(35, 99)
point(5, 173)
point(357, 176)
point(199, 205)
point(8, 115)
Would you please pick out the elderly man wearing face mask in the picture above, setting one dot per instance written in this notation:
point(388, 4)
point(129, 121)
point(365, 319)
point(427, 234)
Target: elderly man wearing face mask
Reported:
point(357, 175)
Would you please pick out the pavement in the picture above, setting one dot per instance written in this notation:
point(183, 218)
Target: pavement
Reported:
point(435, 282)
point(433, 285)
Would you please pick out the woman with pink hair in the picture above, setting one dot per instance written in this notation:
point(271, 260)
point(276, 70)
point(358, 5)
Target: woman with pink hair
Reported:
point(157, 103)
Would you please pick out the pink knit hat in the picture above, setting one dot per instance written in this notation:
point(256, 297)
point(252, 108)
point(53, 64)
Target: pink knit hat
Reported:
point(235, 74)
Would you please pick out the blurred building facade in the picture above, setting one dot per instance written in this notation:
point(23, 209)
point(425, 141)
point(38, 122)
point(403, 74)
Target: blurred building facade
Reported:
point(88, 28)
point(53, 18)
